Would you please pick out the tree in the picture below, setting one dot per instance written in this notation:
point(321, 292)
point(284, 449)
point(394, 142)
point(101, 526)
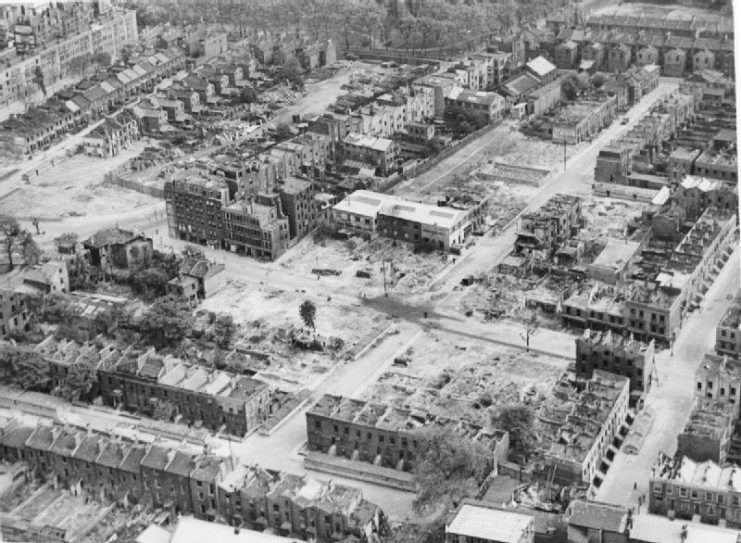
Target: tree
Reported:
point(291, 72)
point(38, 78)
point(531, 328)
point(448, 469)
point(598, 80)
point(14, 237)
point(516, 419)
point(78, 383)
point(24, 369)
point(166, 323)
point(223, 330)
point(102, 59)
point(571, 86)
point(307, 311)
point(248, 95)
point(30, 250)
point(162, 409)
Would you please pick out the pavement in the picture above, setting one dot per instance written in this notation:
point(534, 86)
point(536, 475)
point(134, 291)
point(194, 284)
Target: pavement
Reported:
point(672, 397)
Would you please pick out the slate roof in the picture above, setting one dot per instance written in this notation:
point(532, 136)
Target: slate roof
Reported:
point(16, 437)
point(181, 464)
point(156, 458)
point(89, 448)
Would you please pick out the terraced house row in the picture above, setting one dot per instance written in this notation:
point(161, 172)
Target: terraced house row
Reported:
point(141, 381)
point(204, 484)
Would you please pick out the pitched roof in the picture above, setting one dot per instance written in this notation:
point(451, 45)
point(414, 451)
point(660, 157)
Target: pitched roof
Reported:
point(540, 66)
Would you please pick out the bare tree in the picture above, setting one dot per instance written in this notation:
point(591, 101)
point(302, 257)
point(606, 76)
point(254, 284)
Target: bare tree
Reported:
point(531, 328)
point(14, 237)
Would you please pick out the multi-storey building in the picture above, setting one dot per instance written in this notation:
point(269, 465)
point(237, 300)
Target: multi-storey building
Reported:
point(695, 194)
point(615, 354)
point(582, 120)
point(543, 231)
point(719, 378)
point(487, 104)
point(681, 487)
point(386, 436)
point(299, 205)
point(110, 138)
point(15, 315)
point(728, 330)
point(379, 153)
point(195, 207)
point(257, 227)
point(707, 434)
point(718, 165)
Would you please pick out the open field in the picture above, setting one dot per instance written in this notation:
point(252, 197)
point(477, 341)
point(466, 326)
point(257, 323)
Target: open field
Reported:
point(74, 187)
point(464, 378)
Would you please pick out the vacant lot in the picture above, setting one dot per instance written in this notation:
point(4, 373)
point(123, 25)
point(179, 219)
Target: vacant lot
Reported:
point(269, 319)
point(74, 187)
point(463, 379)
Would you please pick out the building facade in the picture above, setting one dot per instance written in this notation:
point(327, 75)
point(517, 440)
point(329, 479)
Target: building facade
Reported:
point(615, 354)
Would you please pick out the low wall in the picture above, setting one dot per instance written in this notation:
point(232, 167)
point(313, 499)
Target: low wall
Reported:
point(114, 178)
point(361, 471)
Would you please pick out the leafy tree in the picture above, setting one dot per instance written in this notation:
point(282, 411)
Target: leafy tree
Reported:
point(166, 323)
point(150, 283)
point(516, 419)
point(38, 78)
point(223, 330)
point(24, 369)
point(163, 410)
point(78, 383)
point(102, 59)
point(307, 311)
point(30, 250)
point(248, 95)
point(291, 72)
point(448, 469)
point(14, 237)
point(571, 86)
point(598, 80)
point(464, 121)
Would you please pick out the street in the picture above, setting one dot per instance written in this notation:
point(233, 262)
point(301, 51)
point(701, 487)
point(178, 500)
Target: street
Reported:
point(672, 397)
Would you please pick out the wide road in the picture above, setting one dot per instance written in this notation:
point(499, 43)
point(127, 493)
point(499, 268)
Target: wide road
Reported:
point(671, 398)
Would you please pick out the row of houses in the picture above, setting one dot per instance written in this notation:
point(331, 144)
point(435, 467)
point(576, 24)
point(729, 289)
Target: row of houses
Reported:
point(386, 436)
point(614, 164)
point(55, 61)
point(141, 381)
point(71, 110)
point(667, 279)
point(204, 484)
